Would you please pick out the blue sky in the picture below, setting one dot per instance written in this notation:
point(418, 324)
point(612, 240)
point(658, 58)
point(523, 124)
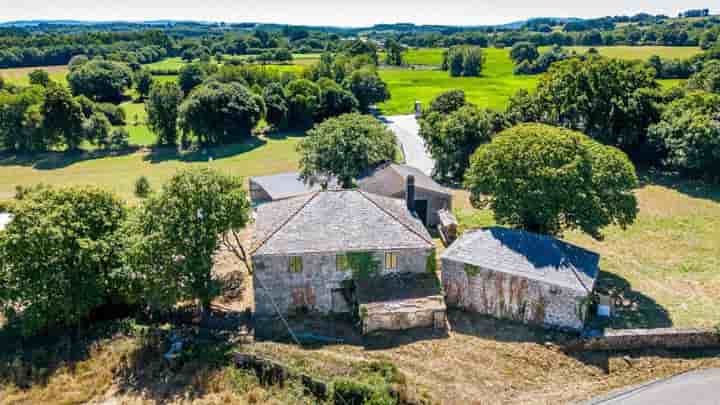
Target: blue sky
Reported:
point(336, 12)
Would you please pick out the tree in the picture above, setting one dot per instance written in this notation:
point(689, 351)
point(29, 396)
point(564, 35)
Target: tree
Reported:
point(689, 135)
point(162, 111)
point(524, 51)
point(191, 76)
point(21, 121)
point(334, 100)
point(58, 256)
point(612, 101)
point(142, 187)
point(345, 147)
point(219, 113)
point(63, 117)
point(452, 138)
point(546, 179)
point(97, 129)
point(393, 53)
point(463, 61)
point(367, 87)
point(143, 83)
point(39, 77)
point(276, 106)
point(303, 101)
point(173, 237)
point(447, 102)
point(101, 80)
point(708, 79)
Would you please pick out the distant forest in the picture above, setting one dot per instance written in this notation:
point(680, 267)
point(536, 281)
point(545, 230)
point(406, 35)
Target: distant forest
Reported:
point(42, 43)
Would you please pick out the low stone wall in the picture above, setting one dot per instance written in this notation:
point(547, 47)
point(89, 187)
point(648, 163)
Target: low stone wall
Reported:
point(665, 338)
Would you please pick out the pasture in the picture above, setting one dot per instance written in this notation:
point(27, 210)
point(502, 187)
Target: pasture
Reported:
point(19, 76)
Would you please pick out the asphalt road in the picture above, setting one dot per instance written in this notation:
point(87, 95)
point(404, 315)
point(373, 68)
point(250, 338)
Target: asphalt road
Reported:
point(701, 387)
point(407, 130)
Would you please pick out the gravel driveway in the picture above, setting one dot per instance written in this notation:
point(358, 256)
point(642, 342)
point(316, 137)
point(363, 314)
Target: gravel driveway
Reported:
point(407, 130)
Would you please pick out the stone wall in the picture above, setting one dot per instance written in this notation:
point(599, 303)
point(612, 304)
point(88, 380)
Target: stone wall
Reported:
point(512, 297)
point(312, 289)
point(664, 338)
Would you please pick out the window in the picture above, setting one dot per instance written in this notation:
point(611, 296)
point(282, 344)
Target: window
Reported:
point(296, 265)
point(391, 261)
point(341, 262)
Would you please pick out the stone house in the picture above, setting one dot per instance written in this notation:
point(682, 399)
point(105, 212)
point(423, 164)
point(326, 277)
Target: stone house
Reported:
point(391, 180)
point(521, 276)
point(306, 252)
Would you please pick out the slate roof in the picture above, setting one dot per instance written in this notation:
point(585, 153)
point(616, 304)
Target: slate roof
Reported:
point(529, 255)
point(393, 175)
point(284, 185)
point(5, 219)
point(337, 221)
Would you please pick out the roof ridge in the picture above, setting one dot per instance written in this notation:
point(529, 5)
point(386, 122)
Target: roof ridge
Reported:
point(282, 224)
point(373, 202)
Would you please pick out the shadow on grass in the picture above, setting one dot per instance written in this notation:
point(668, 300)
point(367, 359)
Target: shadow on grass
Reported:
point(632, 309)
point(59, 160)
point(692, 187)
point(166, 154)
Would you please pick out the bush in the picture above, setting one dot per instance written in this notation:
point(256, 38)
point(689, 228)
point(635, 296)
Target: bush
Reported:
point(447, 102)
point(142, 187)
point(119, 139)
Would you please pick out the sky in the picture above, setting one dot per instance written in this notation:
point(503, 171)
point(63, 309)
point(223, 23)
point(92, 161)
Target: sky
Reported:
point(336, 12)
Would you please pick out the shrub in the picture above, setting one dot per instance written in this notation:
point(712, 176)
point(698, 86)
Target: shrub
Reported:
point(114, 113)
point(142, 187)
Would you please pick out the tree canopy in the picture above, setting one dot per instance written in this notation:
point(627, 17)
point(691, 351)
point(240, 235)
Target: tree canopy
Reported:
point(688, 135)
point(344, 147)
point(162, 111)
point(546, 179)
point(101, 80)
point(58, 255)
point(219, 113)
point(171, 240)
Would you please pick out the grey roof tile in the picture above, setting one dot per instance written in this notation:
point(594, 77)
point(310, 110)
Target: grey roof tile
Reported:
point(529, 255)
point(337, 221)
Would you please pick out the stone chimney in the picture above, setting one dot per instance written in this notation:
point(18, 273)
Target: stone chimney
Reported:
point(410, 193)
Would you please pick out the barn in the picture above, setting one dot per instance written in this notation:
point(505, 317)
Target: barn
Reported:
point(522, 276)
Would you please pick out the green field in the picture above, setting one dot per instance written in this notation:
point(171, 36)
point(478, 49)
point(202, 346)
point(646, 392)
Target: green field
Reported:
point(118, 173)
point(19, 76)
point(492, 90)
point(640, 52)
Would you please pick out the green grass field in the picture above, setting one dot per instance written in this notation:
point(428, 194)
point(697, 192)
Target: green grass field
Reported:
point(118, 173)
point(639, 52)
point(492, 90)
point(19, 76)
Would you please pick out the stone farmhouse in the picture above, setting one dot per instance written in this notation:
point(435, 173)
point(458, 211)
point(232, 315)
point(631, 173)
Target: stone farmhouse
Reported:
point(521, 276)
point(388, 180)
point(346, 251)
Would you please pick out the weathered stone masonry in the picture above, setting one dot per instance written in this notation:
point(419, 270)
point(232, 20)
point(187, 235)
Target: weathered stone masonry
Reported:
point(312, 289)
point(508, 296)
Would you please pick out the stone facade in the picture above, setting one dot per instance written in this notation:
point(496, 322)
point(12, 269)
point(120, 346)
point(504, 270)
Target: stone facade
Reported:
point(509, 296)
point(318, 287)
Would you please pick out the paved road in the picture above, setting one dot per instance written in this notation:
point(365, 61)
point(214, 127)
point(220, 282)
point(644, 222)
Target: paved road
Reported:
point(700, 387)
point(407, 130)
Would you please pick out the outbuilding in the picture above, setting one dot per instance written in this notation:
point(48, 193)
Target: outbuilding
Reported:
point(391, 180)
point(522, 276)
point(280, 186)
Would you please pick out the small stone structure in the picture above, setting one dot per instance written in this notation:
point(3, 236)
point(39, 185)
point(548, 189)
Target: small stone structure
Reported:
point(521, 276)
point(448, 226)
point(303, 246)
point(391, 180)
point(399, 302)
